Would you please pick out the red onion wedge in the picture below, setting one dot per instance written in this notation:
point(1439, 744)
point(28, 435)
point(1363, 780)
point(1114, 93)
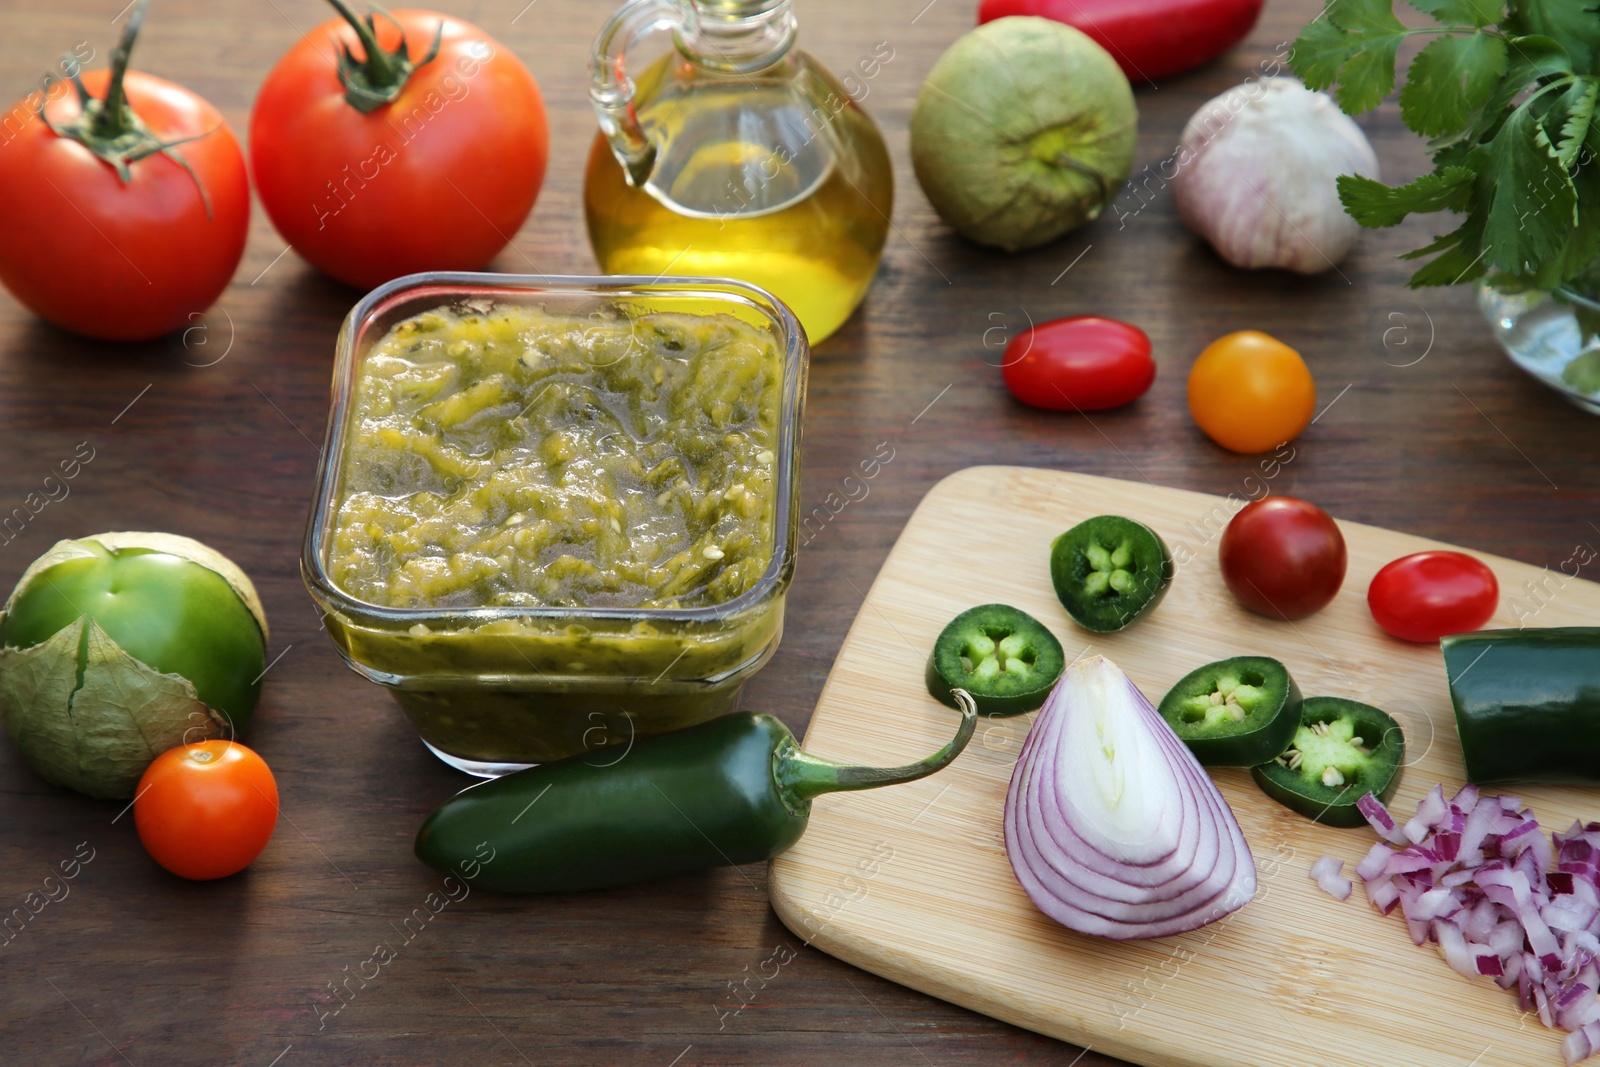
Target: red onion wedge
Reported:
point(1112, 827)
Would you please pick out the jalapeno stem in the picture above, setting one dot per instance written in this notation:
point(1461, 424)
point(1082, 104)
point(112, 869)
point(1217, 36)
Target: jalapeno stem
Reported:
point(801, 777)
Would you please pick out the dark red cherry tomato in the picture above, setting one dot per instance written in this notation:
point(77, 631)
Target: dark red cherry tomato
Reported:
point(1084, 363)
point(1429, 595)
point(1283, 558)
point(1148, 38)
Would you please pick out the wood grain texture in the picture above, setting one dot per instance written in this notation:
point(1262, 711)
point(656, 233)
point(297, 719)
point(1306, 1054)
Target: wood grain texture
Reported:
point(913, 883)
point(1459, 446)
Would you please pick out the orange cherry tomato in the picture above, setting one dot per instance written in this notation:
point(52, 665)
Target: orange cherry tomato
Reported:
point(206, 810)
point(1250, 392)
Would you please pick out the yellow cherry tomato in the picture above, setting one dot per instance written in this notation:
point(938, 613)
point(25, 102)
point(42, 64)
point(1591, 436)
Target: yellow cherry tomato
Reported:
point(1250, 392)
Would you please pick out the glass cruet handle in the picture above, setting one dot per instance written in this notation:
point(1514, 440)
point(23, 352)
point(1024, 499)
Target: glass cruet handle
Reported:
point(610, 88)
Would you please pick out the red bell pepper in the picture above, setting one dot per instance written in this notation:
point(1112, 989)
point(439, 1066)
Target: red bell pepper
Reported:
point(1149, 39)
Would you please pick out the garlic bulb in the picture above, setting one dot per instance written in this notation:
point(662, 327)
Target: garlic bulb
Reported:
point(1255, 176)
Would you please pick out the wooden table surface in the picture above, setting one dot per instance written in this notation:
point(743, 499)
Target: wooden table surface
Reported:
point(1427, 428)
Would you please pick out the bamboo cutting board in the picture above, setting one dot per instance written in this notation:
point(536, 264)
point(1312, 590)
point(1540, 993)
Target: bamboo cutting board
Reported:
point(912, 882)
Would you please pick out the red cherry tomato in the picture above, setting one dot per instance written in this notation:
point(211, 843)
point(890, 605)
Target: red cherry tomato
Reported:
point(1429, 595)
point(112, 259)
point(438, 178)
point(1283, 558)
point(206, 810)
point(1083, 363)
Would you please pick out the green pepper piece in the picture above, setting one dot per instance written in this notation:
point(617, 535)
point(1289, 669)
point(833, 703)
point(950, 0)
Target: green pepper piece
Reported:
point(169, 613)
point(734, 790)
point(999, 654)
point(1236, 712)
point(1527, 703)
point(1109, 571)
point(1342, 750)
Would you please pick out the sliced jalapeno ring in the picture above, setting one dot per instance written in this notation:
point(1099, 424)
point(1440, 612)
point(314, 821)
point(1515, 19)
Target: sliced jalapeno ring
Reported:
point(1342, 751)
point(1235, 712)
point(1109, 571)
point(1001, 655)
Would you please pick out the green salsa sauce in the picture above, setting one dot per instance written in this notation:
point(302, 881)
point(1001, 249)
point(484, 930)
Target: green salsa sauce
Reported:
point(505, 456)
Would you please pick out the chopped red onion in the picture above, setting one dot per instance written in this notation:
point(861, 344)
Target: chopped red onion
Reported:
point(1478, 877)
point(1430, 813)
point(1381, 820)
point(1375, 862)
point(1325, 872)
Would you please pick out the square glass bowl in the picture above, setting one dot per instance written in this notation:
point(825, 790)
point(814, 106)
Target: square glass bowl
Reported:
point(496, 689)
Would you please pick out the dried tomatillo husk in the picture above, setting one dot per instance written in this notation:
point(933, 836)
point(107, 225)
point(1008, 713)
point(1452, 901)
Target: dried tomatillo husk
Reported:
point(120, 646)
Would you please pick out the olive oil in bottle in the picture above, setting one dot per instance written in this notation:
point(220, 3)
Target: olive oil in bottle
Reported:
point(736, 156)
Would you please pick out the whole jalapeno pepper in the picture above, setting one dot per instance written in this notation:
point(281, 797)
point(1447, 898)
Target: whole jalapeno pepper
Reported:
point(734, 790)
point(1527, 703)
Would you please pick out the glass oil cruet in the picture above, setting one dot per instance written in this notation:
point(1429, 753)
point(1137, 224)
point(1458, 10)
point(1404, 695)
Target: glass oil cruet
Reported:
point(735, 155)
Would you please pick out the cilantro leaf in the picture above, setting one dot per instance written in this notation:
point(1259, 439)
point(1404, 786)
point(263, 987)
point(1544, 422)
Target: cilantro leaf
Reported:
point(1368, 77)
point(1532, 58)
point(1460, 256)
point(1370, 17)
point(1355, 42)
point(1587, 314)
point(1583, 373)
point(1583, 243)
point(1319, 52)
point(1576, 110)
point(1374, 204)
point(1589, 322)
point(1533, 206)
point(1478, 13)
point(1449, 80)
point(1574, 24)
point(1508, 93)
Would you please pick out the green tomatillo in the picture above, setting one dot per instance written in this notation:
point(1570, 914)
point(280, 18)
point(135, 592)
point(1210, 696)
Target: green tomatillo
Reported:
point(1024, 129)
point(120, 646)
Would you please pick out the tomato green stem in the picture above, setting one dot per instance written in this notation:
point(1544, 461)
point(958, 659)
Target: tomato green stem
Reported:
point(110, 128)
point(114, 118)
point(801, 776)
point(377, 78)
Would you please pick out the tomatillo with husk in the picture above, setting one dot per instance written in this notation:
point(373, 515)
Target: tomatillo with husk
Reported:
point(1024, 129)
point(117, 647)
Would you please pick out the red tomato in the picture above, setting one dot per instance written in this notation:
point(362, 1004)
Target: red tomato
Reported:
point(1148, 38)
point(1283, 558)
point(1428, 595)
point(439, 178)
point(206, 810)
point(115, 260)
point(1083, 363)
